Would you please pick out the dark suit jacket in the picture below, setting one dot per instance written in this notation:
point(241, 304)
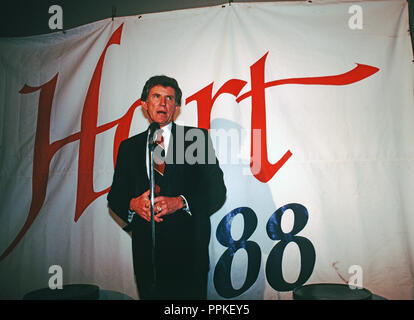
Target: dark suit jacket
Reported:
point(181, 239)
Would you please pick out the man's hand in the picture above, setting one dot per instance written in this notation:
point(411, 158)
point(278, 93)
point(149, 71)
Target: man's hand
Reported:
point(162, 206)
point(142, 206)
point(166, 205)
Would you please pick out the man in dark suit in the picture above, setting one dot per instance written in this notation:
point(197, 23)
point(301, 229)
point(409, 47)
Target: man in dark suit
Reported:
point(190, 188)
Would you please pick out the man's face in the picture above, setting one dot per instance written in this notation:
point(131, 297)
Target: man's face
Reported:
point(160, 105)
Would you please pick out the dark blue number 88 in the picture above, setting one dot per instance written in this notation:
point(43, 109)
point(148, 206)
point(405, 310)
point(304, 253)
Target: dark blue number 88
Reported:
point(274, 274)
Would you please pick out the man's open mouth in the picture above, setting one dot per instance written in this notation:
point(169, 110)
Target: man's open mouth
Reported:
point(161, 112)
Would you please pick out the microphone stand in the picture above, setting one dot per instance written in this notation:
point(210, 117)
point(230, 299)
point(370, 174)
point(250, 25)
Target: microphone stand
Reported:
point(151, 146)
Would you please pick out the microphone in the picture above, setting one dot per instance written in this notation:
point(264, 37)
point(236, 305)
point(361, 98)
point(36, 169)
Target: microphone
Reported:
point(153, 128)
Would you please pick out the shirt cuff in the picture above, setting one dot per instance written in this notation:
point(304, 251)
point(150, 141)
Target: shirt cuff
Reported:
point(131, 215)
point(186, 208)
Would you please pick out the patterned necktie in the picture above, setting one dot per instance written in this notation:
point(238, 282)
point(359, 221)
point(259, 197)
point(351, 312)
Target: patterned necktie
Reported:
point(159, 163)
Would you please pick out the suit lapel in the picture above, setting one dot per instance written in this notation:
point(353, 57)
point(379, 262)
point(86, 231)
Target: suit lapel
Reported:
point(174, 174)
point(139, 164)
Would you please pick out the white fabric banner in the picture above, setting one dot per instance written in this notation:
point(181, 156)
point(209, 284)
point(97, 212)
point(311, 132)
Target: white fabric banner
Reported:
point(310, 107)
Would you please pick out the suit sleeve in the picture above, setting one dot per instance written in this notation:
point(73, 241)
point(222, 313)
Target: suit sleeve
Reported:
point(209, 192)
point(118, 196)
